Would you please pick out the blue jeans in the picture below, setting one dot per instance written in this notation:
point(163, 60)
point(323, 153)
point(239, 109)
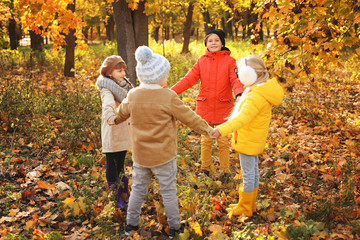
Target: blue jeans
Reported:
point(166, 176)
point(250, 172)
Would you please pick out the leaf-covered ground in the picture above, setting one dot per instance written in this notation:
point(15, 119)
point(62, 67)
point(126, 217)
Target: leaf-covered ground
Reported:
point(53, 176)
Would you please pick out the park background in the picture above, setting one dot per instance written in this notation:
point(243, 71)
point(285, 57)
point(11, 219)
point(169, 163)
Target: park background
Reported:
point(51, 166)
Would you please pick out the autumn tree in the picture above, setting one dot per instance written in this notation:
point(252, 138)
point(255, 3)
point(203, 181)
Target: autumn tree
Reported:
point(54, 19)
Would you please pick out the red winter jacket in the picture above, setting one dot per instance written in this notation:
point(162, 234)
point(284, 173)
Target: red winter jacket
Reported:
point(218, 76)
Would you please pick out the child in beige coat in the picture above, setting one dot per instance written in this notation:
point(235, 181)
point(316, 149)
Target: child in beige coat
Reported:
point(152, 111)
point(114, 87)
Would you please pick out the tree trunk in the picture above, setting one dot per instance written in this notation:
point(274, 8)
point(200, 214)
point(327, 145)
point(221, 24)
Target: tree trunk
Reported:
point(70, 48)
point(156, 33)
point(129, 35)
point(14, 42)
point(36, 42)
point(110, 28)
point(167, 33)
point(261, 33)
point(141, 26)
point(187, 28)
point(229, 26)
point(14, 34)
point(207, 25)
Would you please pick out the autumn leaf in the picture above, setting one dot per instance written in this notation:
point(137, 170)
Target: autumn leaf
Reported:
point(74, 206)
point(215, 229)
point(45, 185)
point(195, 226)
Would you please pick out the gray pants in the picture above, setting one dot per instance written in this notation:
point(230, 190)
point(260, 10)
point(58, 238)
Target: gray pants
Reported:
point(250, 172)
point(166, 175)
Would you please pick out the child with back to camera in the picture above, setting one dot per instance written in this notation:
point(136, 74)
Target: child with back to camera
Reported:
point(249, 123)
point(152, 110)
point(217, 72)
point(114, 86)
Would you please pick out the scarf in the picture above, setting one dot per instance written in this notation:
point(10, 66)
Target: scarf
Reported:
point(119, 90)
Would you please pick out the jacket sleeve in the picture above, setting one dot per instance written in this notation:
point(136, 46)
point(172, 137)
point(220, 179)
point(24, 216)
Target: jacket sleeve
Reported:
point(185, 115)
point(122, 112)
point(236, 84)
point(251, 107)
point(108, 104)
point(189, 80)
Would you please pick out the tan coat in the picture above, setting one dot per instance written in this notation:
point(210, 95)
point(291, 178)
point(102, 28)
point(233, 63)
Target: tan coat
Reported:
point(152, 114)
point(114, 138)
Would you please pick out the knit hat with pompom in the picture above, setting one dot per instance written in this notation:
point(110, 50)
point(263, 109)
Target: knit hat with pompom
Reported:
point(151, 67)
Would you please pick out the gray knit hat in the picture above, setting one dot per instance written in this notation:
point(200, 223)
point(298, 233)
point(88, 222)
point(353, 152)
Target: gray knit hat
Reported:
point(151, 67)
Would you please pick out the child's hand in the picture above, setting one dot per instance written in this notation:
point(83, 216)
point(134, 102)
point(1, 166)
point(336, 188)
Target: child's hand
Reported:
point(111, 121)
point(215, 134)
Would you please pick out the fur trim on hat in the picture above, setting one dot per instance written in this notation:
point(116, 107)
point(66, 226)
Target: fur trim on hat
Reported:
point(247, 75)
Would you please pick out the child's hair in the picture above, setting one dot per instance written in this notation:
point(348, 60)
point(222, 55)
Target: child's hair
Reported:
point(252, 71)
point(111, 63)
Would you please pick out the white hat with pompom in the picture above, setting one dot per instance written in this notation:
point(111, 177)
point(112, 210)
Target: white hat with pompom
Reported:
point(151, 67)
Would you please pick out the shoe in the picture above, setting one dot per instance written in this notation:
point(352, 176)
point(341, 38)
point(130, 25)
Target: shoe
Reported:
point(130, 228)
point(225, 178)
point(122, 194)
point(174, 232)
point(205, 172)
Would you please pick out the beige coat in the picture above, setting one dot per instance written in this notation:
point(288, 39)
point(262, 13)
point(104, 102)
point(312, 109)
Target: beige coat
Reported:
point(152, 114)
point(114, 138)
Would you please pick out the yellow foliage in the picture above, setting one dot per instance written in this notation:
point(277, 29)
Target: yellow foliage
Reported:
point(73, 206)
point(195, 226)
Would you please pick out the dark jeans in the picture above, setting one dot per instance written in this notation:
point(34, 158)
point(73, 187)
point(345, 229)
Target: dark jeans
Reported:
point(114, 165)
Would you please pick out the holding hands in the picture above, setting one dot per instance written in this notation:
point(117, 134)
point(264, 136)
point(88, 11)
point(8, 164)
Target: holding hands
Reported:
point(111, 121)
point(215, 134)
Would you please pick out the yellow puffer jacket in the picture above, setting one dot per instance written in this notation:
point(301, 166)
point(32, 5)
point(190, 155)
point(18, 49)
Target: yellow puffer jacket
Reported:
point(251, 126)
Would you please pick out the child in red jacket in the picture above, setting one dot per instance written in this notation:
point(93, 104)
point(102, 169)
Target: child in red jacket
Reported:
point(217, 72)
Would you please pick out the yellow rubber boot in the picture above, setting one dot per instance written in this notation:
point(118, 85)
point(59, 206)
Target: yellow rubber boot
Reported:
point(254, 199)
point(245, 205)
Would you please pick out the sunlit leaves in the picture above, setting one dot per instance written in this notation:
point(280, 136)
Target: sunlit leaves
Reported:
point(51, 18)
point(313, 32)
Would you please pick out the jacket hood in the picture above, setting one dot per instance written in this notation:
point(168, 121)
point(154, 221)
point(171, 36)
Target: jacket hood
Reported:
point(271, 91)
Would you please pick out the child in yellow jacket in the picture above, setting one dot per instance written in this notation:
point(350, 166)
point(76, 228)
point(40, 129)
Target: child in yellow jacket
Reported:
point(249, 123)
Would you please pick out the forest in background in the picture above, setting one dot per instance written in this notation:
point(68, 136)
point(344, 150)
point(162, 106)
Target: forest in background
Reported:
point(51, 166)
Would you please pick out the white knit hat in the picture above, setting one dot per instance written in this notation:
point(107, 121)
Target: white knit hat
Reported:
point(151, 67)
